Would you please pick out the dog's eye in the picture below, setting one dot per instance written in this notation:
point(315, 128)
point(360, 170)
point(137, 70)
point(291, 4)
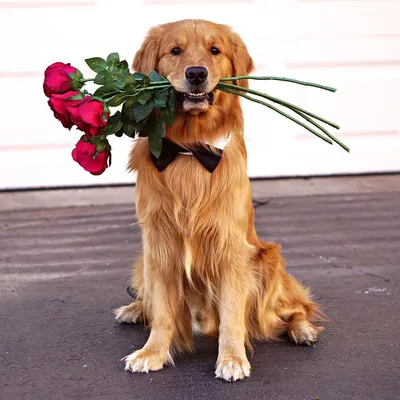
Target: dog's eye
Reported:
point(176, 51)
point(215, 51)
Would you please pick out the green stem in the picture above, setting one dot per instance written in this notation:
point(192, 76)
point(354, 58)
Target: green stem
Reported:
point(280, 102)
point(282, 113)
point(275, 78)
point(111, 95)
point(327, 133)
point(156, 87)
point(157, 83)
point(86, 80)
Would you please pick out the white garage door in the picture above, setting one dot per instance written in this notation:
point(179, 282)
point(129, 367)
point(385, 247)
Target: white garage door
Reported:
point(352, 45)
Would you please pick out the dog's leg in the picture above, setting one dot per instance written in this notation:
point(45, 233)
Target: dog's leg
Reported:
point(232, 363)
point(298, 311)
point(284, 303)
point(162, 302)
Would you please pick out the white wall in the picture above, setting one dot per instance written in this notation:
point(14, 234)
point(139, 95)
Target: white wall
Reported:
point(352, 45)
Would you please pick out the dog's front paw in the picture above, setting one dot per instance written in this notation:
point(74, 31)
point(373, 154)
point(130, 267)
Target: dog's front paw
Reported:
point(304, 332)
point(145, 361)
point(232, 369)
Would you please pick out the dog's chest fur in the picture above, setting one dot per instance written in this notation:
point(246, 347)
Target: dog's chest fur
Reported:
point(200, 212)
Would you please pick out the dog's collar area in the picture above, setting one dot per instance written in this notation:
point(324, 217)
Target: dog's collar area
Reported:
point(201, 151)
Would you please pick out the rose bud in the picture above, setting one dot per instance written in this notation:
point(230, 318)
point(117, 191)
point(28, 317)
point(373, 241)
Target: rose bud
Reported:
point(61, 78)
point(90, 116)
point(60, 105)
point(84, 153)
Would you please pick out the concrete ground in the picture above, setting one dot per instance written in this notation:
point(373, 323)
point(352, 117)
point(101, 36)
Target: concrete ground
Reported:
point(65, 260)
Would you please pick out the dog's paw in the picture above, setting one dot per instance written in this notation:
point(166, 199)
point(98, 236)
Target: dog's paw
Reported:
point(232, 369)
point(146, 361)
point(130, 314)
point(304, 333)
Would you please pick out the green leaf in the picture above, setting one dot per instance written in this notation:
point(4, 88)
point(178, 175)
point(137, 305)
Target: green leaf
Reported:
point(122, 67)
point(140, 125)
point(129, 128)
point(100, 78)
point(144, 97)
point(141, 111)
point(155, 144)
point(131, 85)
point(165, 115)
point(143, 79)
point(129, 79)
point(105, 90)
point(131, 89)
point(156, 77)
point(115, 117)
point(112, 61)
point(138, 76)
point(117, 100)
point(128, 106)
point(114, 124)
point(160, 100)
point(168, 113)
point(115, 78)
point(96, 64)
point(155, 131)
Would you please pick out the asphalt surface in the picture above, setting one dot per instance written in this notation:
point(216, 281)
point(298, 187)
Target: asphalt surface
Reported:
point(63, 271)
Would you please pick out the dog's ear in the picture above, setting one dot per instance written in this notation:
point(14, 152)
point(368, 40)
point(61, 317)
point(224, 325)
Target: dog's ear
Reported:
point(146, 58)
point(241, 61)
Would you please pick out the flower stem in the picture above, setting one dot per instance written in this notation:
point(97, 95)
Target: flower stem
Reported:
point(327, 133)
point(275, 78)
point(158, 83)
point(280, 112)
point(156, 87)
point(107, 99)
point(86, 80)
point(279, 101)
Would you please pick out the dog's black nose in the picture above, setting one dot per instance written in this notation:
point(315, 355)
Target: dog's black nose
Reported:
point(196, 75)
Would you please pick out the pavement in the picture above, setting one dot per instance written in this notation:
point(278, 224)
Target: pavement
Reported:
point(65, 260)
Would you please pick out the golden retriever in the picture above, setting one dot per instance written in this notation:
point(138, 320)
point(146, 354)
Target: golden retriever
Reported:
point(203, 268)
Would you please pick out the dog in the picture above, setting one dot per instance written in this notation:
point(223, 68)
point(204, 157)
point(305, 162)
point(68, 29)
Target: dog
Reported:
point(203, 268)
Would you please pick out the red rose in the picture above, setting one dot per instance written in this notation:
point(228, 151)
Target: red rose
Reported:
point(90, 116)
point(60, 78)
point(83, 155)
point(60, 106)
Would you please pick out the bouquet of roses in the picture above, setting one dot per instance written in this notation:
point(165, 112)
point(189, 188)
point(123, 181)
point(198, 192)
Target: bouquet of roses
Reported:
point(139, 95)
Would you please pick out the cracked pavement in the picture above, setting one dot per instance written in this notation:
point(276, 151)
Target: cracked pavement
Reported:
point(64, 270)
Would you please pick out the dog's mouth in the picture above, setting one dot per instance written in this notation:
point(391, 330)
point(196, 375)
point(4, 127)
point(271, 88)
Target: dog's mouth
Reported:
point(198, 97)
point(194, 102)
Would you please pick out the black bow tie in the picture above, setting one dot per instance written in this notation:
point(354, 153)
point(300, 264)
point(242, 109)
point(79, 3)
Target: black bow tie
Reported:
point(202, 152)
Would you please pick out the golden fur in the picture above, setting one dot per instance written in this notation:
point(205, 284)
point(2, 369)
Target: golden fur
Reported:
point(203, 267)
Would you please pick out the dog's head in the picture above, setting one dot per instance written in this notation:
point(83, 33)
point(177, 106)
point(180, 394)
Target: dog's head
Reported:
point(194, 55)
